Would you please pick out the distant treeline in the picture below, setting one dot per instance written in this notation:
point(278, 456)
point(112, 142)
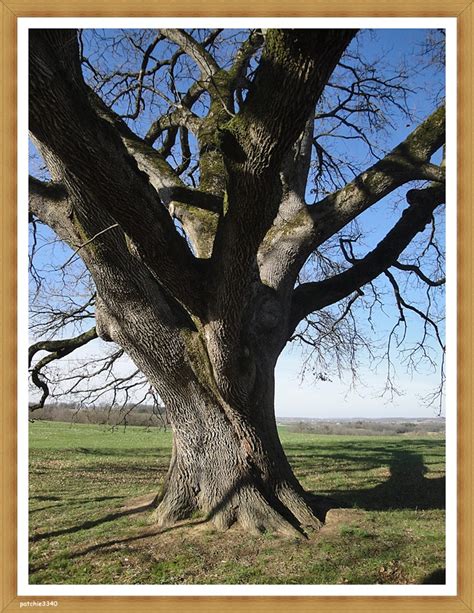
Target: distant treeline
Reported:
point(128, 415)
point(155, 416)
point(366, 427)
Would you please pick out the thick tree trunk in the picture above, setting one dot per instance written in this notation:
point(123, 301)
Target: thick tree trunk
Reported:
point(231, 468)
point(227, 462)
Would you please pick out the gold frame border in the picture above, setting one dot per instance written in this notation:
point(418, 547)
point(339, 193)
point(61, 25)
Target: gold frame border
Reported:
point(463, 11)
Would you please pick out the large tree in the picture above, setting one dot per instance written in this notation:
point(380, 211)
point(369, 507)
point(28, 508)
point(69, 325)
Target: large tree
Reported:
point(195, 230)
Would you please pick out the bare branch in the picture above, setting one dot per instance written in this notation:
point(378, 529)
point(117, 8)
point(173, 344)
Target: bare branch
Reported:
point(146, 57)
point(314, 296)
point(290, 242)
point(88, 242)
point(419, 273)
point(189, 45)
point(129, 199)
point(57, 350)
point(407, 162)
point(402, 303)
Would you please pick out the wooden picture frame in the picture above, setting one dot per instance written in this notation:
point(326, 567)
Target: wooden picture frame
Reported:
point(463, 12)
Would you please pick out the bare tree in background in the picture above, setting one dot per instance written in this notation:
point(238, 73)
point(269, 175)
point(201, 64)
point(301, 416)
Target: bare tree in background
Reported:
point(180, 165)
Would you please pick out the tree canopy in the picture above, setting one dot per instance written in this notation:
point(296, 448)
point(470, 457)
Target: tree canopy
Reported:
point(157, 88)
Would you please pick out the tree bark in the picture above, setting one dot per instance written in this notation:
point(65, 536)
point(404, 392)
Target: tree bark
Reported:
point(227, 461)
point(231, 469)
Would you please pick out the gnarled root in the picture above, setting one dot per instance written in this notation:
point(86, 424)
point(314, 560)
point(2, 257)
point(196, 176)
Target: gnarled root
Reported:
point(283, 511)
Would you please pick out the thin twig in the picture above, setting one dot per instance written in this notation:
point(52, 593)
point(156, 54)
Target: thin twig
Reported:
point(115, 225)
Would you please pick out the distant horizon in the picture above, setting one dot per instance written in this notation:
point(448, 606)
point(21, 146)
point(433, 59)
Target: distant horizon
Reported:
point(72, 406)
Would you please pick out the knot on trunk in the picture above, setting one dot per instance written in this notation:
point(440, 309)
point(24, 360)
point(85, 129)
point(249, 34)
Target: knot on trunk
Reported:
point(269, 314)
point(231, 147)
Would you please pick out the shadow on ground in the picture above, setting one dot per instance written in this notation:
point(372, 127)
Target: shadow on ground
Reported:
point(406, 488)
point(437, 577)
point(91, 523)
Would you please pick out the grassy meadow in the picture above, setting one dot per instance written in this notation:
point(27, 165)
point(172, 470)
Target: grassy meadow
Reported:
point(90, 522)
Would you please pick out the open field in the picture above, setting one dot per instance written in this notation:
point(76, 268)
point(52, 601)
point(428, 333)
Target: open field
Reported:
point(389, 528)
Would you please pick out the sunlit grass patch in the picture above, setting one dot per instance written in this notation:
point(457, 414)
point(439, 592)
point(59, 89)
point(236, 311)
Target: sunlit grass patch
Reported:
point(389, 528)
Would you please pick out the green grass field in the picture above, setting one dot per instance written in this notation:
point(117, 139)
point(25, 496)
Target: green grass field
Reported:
point(389, 528)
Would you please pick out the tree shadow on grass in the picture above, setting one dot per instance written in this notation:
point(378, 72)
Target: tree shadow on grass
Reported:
point(406, 488)
point(437, 577)
point(45, 498)
point(90, 523)
point(359, 455)
point(69, 503)
point(118, 543)
point(150, 531)
point(147, 452)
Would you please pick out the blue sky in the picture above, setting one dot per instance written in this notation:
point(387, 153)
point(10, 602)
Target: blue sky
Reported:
point(334, 398)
